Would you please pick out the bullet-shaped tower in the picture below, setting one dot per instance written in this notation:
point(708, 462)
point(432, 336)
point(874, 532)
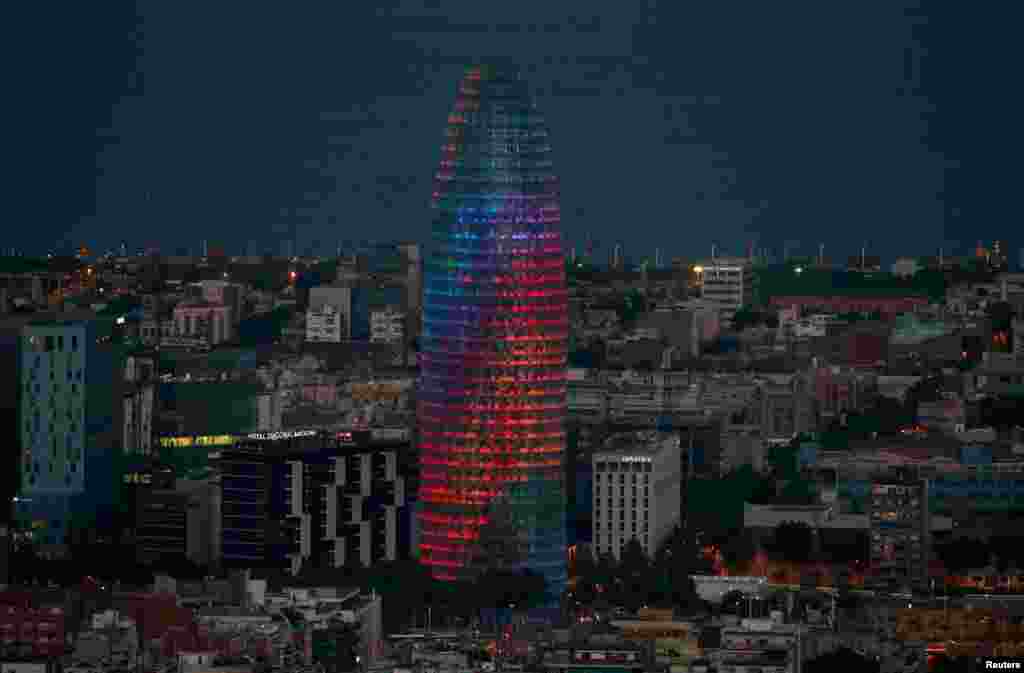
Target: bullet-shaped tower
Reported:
point(492, 391)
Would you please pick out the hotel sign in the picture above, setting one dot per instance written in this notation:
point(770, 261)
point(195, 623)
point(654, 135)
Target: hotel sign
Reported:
point(204, 440)
point(276, 436)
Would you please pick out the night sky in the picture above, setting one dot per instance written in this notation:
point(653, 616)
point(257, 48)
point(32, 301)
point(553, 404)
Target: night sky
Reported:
point(674, 124)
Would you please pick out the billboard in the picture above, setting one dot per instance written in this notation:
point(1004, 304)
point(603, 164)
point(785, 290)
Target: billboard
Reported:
point(203, 440)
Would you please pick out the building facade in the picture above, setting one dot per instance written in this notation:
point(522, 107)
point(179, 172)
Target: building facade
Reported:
point(324, 324)
point(636, 495)
point(387, 326)
point(201, 322)
point(494, 347)
point(728, 282)
point(296, 498)
point(70, 427)
point(900, 533)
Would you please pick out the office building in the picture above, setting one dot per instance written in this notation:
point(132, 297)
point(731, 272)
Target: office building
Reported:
point(636, 494)
point(900, 532)
point(161, 525)
point(492, 398)
point(728, 282)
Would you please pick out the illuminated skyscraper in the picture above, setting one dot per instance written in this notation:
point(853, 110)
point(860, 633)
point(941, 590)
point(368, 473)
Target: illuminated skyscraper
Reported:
point(492, 394)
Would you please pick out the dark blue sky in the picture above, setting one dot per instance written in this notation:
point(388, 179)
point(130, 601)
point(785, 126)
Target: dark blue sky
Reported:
point(673, 123)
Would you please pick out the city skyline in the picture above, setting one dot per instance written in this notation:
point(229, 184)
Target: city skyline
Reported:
point(782, 126)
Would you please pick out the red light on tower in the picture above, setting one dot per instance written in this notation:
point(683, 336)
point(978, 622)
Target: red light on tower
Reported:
point(292, 276)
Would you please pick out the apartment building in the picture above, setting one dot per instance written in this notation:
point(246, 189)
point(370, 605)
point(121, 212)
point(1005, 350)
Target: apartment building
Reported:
point(325, 324)
point(337, 498)
point(387, 326)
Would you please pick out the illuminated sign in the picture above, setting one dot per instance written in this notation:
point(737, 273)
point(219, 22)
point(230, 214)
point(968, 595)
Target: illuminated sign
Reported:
point(273, 436)
point(138, 478)
point(635, 459)
point(344, 437)
point(204, 440)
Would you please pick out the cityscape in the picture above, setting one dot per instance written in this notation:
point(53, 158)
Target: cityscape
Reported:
point(513, 442)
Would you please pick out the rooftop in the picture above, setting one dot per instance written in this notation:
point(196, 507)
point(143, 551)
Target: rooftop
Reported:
point(644, 443)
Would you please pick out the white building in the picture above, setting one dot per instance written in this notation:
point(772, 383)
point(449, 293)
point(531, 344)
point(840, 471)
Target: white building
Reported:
point(761, 645)
point(324, 324)
point(338, 297)
point(269, 408)
point(636, 495)
point(728, 282)
point(387, 326)
point(905, 267)
point(138, 419)
point(713, 588)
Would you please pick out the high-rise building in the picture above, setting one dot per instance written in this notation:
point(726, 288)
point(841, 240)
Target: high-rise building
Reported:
point(70, 406)
point(492, 396)
point(900, 532)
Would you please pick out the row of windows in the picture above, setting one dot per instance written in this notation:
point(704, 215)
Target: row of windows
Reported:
point(601, 467)
point(603, 542)
point(50, 343)
point(599, 504)
point(644, 479)
point(609, 490)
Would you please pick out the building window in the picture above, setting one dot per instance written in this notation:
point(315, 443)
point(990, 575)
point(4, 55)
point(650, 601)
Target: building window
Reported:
point(60, 342)
point(49, 344)
point(74, 342)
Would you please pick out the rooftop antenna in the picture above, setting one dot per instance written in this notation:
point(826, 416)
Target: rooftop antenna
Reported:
point(821, 254)
point(714, 251)
point(863, 256)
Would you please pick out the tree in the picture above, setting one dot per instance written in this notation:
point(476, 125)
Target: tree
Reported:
point(498, 588)
point(739, 550)
point(793, 541)
point(963, 554)
point(840, 661)
point(634, 561)
point(675, 561)
point(1007, 550)
point(634, 575)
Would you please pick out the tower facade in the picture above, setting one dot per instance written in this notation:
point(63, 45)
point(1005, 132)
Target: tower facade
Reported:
point(492, 395)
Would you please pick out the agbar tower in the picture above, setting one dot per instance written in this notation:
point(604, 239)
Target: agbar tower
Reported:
point(492, 393)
